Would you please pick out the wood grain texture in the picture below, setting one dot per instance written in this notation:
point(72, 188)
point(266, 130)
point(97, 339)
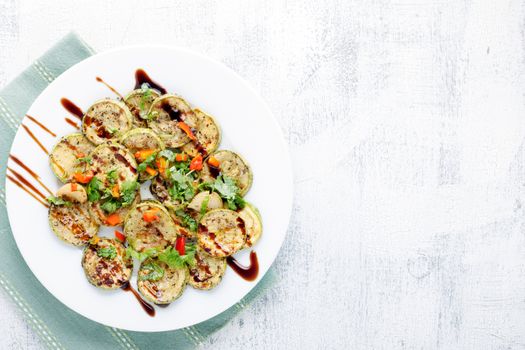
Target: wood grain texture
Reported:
point(406, 124)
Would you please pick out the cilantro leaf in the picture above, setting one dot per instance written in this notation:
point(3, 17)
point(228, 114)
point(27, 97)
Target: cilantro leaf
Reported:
point(85, 160)
point(130, 252)
point(173, 259)
point(182, 186)
point(58, 201)
point(107, 252)
point(111, 176)
point(168, 154)
point(155, 272)
point(227, 188)
point(187, 220)
point(110, 206)
point(93, 189)
point(204, 205)
point(128, 191)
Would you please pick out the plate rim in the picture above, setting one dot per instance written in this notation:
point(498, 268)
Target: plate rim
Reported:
point(289, 199)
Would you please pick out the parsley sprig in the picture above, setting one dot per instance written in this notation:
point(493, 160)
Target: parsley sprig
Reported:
point(226, 187)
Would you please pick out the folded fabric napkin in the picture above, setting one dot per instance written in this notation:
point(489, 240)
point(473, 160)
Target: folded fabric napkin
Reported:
point(58, 326)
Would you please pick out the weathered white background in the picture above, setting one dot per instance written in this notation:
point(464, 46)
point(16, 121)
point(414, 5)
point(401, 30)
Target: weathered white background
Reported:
point(406, 122)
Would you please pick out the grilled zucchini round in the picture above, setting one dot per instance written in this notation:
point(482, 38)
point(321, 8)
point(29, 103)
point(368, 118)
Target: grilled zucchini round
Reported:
point(207, 272)
point(166, 289)
point(232, 165)
point(105, 120)
point(205, 201)
point(221, 233)
point(112, 156)
point(166, 112)
point(142, 234)
point(139, 102)
point(67, 155)
point(252, 223)
point(72, 224)
point(106, 265)
point(141, 139)
point(208, 134)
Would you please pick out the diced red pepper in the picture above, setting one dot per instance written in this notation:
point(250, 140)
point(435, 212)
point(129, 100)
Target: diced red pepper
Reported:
point(150, 215)
point(180, 245)
point(120, 236)
point(181, 157)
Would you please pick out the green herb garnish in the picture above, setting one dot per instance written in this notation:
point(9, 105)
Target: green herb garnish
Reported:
point(155, 272)
point(128, 191)
point(204, 205)
point(187, 220)
point(227, 188)
point(87, 160)
point(58, 201)
point(181, 185)
point(147, 162)
point(93, 189)
point(107, 252)
point(173, 259)
point(130, 252)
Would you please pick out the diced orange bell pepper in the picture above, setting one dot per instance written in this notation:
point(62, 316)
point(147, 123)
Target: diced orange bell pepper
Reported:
point(181, 157)
point(162, 164)
point(142, 155)
point(214, 162)
point(83, 178)
point(151, 171)
point(150, 215)
point(115, 191)
point(80, 155)
point(186, 128)
point(74, 186)
point(196, 163)
point(113, 219)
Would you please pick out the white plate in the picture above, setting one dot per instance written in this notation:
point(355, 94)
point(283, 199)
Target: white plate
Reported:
point(248, 128)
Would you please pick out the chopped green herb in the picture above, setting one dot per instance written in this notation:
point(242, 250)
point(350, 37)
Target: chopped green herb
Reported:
point(204, 205)
point(58, 201)
point(93, 189)
point(227, 188)
point(155, 272)
point(173, 259)
point(181, 185)
point(128, 191)
point(130, 252)
point(87, 160)
point(110, 206)
point(168, 154)
point(111, 176)
point(107, 252)
point(187, 220)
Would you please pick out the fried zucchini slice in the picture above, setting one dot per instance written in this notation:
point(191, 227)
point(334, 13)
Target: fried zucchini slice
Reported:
point(142, 139)
point(159, 189)
point(105, 120)
point(208, 134)
point(139, 102)
point(100, 216)
point(68, 156)
point(207, 272)
point(166, 112)
point(105, 263)
point(73, 224)
point(166, 289)
point(221, 233)
point(142, 232)
point(232, 165)
point(112, 156)
point(252, 223)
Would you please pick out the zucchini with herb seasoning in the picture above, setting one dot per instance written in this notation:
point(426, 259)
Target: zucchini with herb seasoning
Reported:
point(139, 102)
point(221, 233)
point(106, 120)
point(207, 272)
point(70, 155)
point(160, 283)
point(106, 264)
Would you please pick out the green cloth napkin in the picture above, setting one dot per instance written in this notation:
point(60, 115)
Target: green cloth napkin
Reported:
point(58, 326)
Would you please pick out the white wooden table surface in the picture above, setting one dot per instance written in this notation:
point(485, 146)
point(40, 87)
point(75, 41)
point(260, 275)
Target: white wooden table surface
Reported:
point(406, 122)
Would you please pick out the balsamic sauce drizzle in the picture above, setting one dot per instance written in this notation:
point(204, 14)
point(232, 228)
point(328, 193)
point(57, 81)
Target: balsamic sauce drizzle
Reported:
point(249, 273)
point(150, 310)
point(71, 108)
point(16, 182)
point(41, 125)
point(72, 123)
point(100, 80)
point(142, 77)
point(31, 172)
point(35, 139)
